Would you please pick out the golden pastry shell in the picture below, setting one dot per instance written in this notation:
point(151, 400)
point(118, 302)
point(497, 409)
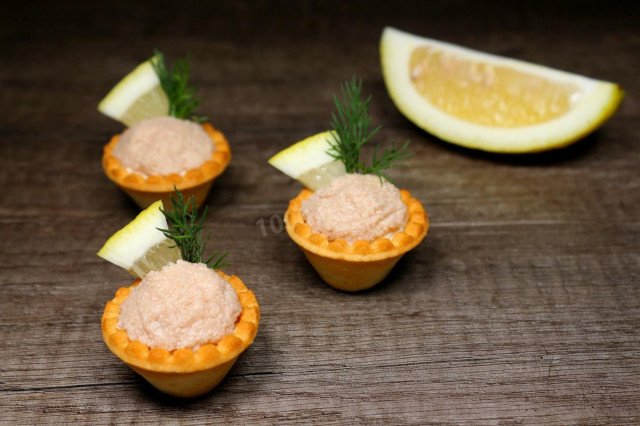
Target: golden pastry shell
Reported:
point(163, 368)
point(402, 241)
point(362, 264)
point(146, 190)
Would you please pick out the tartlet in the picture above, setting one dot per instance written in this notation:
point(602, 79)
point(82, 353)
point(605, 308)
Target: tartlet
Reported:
point(183, 372)
point(145, 190)
point(362, 264)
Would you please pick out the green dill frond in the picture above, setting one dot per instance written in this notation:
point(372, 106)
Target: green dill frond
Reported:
point(351, 123)
point(185, 230)
point(391, 157)
point(182, 97)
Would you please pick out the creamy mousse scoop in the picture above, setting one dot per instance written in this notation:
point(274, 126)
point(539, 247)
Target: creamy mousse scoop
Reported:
point(355, 207)
point(163, 145)
point(185, 305)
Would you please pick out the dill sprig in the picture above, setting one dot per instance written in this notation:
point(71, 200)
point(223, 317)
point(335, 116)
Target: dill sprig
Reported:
point(185, 231)
point(175, 83)
point(351, 131)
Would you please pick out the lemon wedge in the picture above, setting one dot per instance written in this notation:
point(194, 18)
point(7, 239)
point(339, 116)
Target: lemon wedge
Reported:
point(138, 96)
point(308, 162)
point(140, 247)
point(488, 102)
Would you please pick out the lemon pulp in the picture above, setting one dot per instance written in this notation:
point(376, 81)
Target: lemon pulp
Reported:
point(322, 176)
point(486, 93)
point(152, 104)
point(155, 258)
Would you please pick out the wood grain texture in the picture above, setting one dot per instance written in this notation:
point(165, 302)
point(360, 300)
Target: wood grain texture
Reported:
point(522, 305)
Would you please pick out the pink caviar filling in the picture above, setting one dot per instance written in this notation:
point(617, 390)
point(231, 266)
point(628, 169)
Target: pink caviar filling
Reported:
point(163, 145)
point(355, 207)
point(185, 305)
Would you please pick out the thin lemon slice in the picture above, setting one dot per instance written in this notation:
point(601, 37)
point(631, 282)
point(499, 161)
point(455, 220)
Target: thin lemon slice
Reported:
point(308, 162)
point(136, 97)
point(488, 102)
point(140, 247)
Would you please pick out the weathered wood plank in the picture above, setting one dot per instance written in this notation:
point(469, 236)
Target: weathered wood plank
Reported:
point(521, 306)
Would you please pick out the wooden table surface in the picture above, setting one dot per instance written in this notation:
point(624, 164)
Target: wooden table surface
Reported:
point(521, 305)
